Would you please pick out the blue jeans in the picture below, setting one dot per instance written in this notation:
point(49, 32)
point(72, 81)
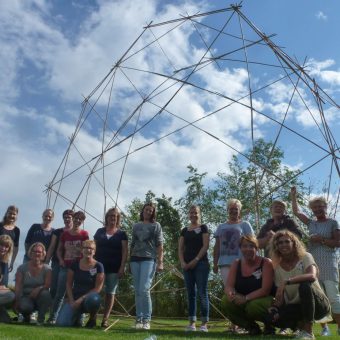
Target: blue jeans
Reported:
point(142, 273)
point(196, 280)
point(59, 294)
point(71, 317)
point(54, 281)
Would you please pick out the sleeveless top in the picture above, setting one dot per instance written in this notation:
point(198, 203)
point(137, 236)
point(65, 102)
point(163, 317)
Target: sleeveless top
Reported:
point(247, 284)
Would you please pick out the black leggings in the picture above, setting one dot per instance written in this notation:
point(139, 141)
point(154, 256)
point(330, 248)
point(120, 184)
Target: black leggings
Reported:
point(313, 305)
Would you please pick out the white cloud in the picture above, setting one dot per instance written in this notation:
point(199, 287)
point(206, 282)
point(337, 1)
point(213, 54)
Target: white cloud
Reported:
point(321, 16)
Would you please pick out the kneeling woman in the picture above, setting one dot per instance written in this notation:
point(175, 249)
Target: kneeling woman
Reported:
point(84, 283)
point(32, 283)
point(299, 298)
point(248, 287)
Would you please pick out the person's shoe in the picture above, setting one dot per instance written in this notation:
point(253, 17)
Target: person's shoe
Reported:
point(51, 322)
point(284, 331)
point(190, 328)
point(105, 323)
point(146, 325)
point(325, 331)
point(254, 330)
point(91, 323)
point(303, 335)
point(204, 328)
point(138, 325)
point(34, 317)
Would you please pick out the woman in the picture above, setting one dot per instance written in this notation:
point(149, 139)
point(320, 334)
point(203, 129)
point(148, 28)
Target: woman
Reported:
point(6, 295)
point(32, 283)
point(40, 232)
point(112, 251)
point(192, 252)
point(146, 258)
point(228, 236)
point(248, 288)
point(323, 244)
point(8, 227)
point(69, 250)
point(84, 283)
point(299, 299)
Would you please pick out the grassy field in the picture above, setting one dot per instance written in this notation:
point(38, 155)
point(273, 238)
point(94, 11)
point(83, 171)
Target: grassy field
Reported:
point(164, 330)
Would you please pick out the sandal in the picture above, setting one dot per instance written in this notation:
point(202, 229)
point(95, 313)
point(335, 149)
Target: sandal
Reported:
point(105, 323)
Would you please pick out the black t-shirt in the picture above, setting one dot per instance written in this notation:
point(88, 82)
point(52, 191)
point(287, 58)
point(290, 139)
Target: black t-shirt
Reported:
point(109, 250)
point(37, 234)
point(84, 280)
point(14, 234)
point(193, 242)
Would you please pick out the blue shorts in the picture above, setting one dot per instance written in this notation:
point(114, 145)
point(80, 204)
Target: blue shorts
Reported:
point(111, 283)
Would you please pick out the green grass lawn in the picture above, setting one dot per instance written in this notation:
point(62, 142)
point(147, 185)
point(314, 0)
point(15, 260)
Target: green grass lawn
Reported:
point(164, 329)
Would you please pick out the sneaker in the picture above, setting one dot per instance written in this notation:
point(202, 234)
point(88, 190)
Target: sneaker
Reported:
point(204, 329)
point(34, 317)
point(284, 331)
point(190, 328)
point(303, 335)
point(138, 325)
point(51, 322)
point(146, 325)
point(325, 331)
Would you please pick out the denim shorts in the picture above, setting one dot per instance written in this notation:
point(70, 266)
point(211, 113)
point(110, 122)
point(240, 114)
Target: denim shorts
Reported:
point(111, 283)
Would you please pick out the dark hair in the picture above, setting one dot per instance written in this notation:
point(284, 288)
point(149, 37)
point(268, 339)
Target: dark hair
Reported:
point(118, 218)
point(79, 214)
point(153, 216)
point(68, 212)
point(10, 208)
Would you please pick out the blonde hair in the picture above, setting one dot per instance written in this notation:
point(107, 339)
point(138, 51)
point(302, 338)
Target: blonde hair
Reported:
point(35, 245)
point(317, 199)
point(234, 201)
point(279, 202)
point(298, 247)
point(6, 241)
point(88, 243)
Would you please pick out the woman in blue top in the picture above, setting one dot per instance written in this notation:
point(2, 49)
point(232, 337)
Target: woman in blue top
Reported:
point(112, 251)
point(192, 252)
point(84, 283)
point(146, 258)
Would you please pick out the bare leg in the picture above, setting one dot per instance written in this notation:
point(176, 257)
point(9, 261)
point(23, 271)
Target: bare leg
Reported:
point(109, 301)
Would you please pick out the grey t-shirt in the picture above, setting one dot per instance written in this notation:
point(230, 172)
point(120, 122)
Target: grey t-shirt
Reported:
point(146, 237)
point(30, 282)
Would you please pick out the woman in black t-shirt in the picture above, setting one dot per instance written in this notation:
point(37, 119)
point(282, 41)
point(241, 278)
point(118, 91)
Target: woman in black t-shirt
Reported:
point(192, 252)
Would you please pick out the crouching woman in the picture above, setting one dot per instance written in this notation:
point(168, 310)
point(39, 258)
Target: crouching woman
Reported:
point(248, 287)
point(84, 283)
point(299, 299)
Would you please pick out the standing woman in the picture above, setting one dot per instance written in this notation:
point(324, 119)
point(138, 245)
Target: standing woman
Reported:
point(323, 243)
point(6, 295)
point(192, 252)
point(32, 283)
point(146, 258)
point(112, 251)
point(40, 232)
point(8, 227)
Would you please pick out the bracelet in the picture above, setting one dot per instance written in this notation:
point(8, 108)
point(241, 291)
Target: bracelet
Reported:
point(288, 282)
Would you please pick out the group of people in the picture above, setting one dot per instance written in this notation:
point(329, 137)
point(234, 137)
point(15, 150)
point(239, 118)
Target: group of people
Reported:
point(79, 268)
point(288, 287)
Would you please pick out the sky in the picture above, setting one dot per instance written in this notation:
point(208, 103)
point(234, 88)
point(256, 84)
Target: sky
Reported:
point(54, 54)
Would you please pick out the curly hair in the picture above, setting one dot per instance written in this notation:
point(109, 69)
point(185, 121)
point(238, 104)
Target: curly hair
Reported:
point(6, 241)
point(298, 247)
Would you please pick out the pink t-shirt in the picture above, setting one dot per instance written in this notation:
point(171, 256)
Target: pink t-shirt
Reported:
point(72, 245)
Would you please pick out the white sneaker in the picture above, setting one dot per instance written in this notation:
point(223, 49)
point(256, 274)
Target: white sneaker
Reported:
point(325, 331)
point(303, 335)
point(190, 328)
point(146, 325)
point(138, 325)
point(204, 329)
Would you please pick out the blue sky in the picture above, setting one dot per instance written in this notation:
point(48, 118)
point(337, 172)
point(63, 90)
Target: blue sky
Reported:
point(55, 52)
